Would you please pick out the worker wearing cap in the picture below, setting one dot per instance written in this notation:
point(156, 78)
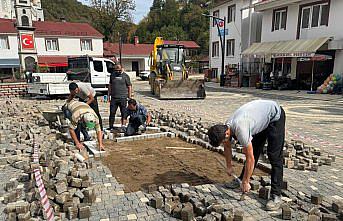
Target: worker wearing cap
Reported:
point(82, 115)
point(139, 118)
point(252, 125)
point(119, 91)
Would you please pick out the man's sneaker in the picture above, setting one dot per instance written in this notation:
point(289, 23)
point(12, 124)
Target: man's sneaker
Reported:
point(274, 203)
point(89, 138)
point(234, 184)
point(141, 128)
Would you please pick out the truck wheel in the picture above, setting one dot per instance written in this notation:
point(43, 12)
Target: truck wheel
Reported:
point(152, 87)
point(157, 89)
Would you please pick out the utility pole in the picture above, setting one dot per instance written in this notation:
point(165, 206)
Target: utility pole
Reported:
point(222, 43)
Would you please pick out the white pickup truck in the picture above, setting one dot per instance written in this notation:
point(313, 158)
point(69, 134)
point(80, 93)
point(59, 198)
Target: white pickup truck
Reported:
point(83, 70)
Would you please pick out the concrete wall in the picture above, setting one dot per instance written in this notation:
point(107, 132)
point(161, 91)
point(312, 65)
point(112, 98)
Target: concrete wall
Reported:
point(69, 46)
point(143, 63)
point(234, 33)
point(338, 68)
point(334, 29)
point(12, 52)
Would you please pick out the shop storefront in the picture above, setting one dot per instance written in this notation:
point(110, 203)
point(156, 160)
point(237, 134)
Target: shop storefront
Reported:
point(297, 64)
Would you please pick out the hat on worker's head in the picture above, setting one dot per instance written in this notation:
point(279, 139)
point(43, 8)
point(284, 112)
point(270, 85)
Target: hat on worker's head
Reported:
point(89, 120)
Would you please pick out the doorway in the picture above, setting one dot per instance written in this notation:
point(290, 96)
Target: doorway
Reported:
point(135, 67)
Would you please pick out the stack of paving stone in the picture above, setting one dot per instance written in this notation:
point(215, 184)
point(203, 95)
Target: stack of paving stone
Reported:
point(188, 203)
point(13, 89)
point(65, 178)
point(298, 155)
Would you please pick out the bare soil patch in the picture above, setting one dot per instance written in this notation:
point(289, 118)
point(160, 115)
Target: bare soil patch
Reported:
point(139, 164)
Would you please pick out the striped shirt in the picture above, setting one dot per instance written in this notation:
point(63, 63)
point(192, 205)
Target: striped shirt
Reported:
point(78, 109)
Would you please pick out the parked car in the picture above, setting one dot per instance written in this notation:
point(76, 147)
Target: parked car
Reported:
point(144, 75)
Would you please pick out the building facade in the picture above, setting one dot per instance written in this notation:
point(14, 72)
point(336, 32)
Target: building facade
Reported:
point(313, 27)
point(54, 43)
point(240, 19)
point(136, 57)
point(7, 9)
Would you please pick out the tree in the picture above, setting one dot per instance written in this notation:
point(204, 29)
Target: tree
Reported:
point(110, 15)
point(176, 20)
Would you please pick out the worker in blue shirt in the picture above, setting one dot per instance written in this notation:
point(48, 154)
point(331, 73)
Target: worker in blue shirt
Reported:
point(138, 118)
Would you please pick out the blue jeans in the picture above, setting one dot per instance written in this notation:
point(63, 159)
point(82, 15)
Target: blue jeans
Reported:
point(134, 123)
point(80, 126)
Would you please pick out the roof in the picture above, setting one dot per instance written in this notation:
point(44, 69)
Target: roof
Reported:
point(53, 61)
point(111, 49)
point(186, 44)
point(7, 26)
point(269, 4)
point(49, 28)
point(293, 48)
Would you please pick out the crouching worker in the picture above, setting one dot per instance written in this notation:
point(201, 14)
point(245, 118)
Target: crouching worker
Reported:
point(138, 118)
point(81, 117)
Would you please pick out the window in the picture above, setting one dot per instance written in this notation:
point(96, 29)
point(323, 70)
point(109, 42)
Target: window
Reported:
point(315, 16)
point(215, 14)
point(214, 73)
point(25, 21)
point(51, 44)
point(280, 19)
point(4, 43)
point(109, 66)
point(230, 47)
point(215, 49)
point(231, 17)
point(86, 45)
point(98, 66)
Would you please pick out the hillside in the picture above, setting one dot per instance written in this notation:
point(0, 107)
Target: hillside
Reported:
point(71, 10)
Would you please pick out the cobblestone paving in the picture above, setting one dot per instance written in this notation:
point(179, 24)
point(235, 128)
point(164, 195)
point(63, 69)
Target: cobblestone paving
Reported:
point(315, 121)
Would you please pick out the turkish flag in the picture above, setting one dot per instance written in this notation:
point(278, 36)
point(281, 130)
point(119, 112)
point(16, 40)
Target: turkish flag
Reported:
point(27, 41)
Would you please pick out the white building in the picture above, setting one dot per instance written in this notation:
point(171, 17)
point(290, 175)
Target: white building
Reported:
point(7, 10)
point(238, 37)
point(136, 57)
point(55, 42)
point(294, 32)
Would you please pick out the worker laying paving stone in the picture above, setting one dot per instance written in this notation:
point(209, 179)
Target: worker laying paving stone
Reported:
point(252, 124)
point(138, 116)
point(82, 116)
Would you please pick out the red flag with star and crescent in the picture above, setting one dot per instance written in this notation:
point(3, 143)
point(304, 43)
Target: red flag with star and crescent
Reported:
point(27, 41)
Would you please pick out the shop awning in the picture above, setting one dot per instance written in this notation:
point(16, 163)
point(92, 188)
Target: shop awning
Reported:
point(9, 63)
point(52, 61)
point(294, 48)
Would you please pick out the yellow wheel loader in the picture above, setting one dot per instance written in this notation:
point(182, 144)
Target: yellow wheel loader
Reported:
point(168, 76)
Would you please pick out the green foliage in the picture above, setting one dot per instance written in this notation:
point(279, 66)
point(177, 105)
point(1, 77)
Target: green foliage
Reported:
point(176, 20)
point(70, 10)
point(109, 19)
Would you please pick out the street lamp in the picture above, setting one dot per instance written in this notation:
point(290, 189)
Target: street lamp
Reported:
point(222, 43)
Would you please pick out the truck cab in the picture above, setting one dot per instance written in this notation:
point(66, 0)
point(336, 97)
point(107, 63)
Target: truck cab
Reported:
point(83, 70)
point(91, 70)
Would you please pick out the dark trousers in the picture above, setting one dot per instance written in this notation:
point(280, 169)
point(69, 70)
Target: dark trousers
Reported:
point(115, 103)
point(275, 134)
point(81, 128)
point(134, 123)
point(95, 106)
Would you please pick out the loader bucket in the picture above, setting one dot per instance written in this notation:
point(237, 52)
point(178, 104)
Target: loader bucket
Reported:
point(184, 89)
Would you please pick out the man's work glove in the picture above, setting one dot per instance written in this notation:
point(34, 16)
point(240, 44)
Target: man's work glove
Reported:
point(123, 128)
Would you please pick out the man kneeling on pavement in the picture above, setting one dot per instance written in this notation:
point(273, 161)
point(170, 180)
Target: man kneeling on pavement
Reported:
point(82, 116)
point(252, 124)
point(138, 116)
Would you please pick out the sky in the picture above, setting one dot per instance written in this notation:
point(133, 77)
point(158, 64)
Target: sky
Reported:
point(142, 9)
